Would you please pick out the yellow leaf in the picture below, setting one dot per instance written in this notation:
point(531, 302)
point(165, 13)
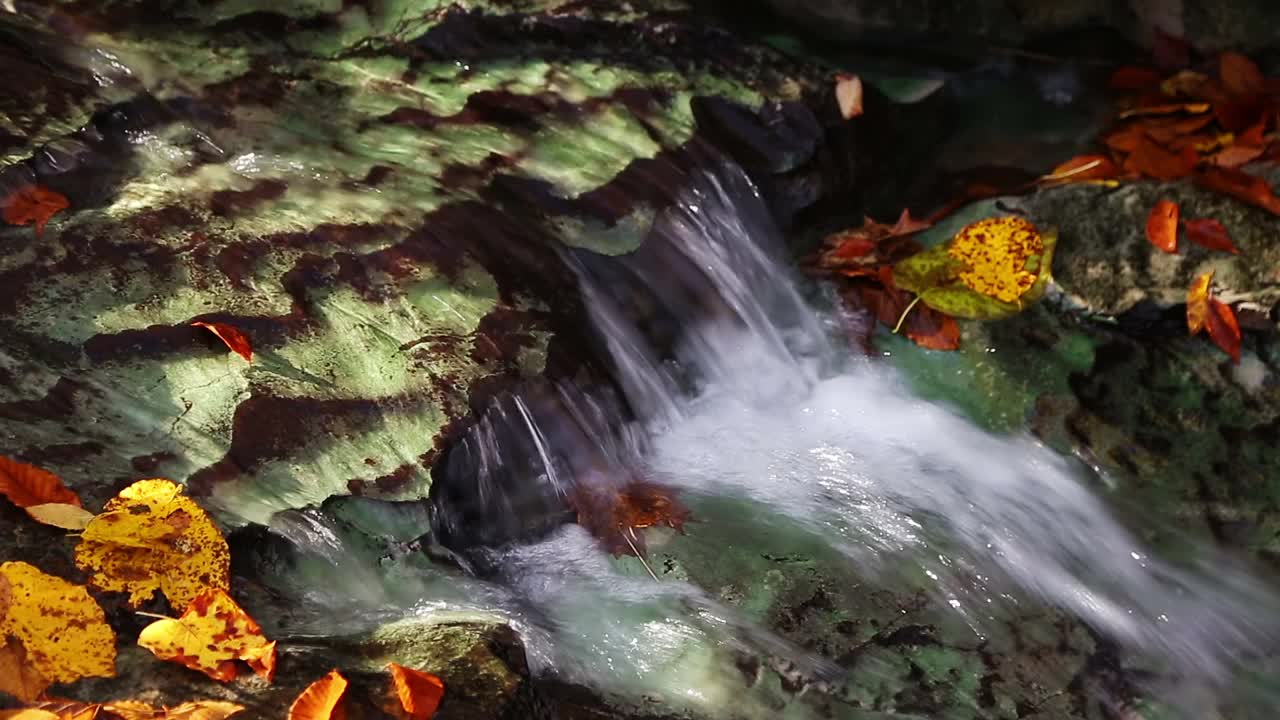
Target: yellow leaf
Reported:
point(203, 710)
point(133, 710)
point(68, 517)
point(152, 537)
point(27, 714)
point(69, 709)
point(63, 631)
point(995, 252)
point(210, 636)
point(322, 700)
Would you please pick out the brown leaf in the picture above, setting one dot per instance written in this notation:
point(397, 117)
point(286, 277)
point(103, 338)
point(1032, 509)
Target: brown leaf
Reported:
point(1240, 185)
point(861, 250)
point(419, 692)
point(1130, 78)
point(231, 336)
point(1167, 130)
point(849, 95)
point(1209, 233)
point(1162, 226)
point(32, 204)
point(612, 514)
point(1240, 75)
point(17, 676)
point(322, 700)
point(1154, 161)
point(923, 325)
point(26, 485)
point(1223, 328)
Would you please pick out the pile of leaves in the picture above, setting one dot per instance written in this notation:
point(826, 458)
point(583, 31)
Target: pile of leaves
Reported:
point(149, 539)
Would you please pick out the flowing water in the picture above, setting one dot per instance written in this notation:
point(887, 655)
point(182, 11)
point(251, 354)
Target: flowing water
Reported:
point(781, 441)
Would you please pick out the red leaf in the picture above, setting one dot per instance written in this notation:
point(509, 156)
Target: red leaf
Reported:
point(32, 204)
point(1162, 226)
point(235, 340)
point(849, 96)
point(1236, 155)
point(26, 485)
point(1131, 77)
point(1154, 161)
point(1240, 185)
point(1254, 136)
point(1240, 75)
point(1209, 233)
point(1237, 113)
point(1224, 330)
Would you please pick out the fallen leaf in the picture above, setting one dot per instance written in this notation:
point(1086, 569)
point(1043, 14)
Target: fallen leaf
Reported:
point(849, 95)
point(152, 537)
point(419, 692)
point(28, 714)
point(1209, 233)
point(322, 700)
point(1082, 168)
point(860, 251)
point(1240, 185)
point(1236, 155)
point(26, 485)
point(1154, 161)
point(69, 709)
point(17, 677)
point(62, 631)
point(1186, 82)
point(1223, 328)
point(1130, 78)
point(1198, 302)
point(1169, 109)
point(196, 710)
point(1254, 136)
point(1162, 226)
point(992, 268)
point(613, 514)
point(32, 204)
point(231, 336)
point(210, 636)
point(63, 515)
point(1240, 75)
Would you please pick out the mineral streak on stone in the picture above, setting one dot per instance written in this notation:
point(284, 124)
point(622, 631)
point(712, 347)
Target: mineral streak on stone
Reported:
point(371, 192)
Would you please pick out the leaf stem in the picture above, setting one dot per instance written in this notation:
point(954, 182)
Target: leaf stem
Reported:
point(903, 316)
point(638, 555)
point(1073, 171)
point(152, 615)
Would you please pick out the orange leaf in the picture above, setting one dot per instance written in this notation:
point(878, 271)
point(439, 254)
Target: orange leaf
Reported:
point(1223, 328)
point(1083, 168)
point(1154, 161)
point(419, 692)
point(612, 514)
point(69, 709)
point(17, 676)
point(235, 340)
point(931, 329)
point(1133, 78)
point(197, 710)
point(322, 700)
point(849, 95)
point(1240, 185)
point(1166, 130)
point(32, 204)
point(1240, 75)
point(210, 636)
point(1198, 302)
point(26, 485)
point(1209, 233)
point(1162, 226)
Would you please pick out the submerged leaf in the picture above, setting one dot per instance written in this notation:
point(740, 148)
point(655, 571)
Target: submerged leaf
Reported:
point(152, 537)
point(612, 514)
point(991, 269)
point(419, 692)
point(322, 700)
point(1162, 226)
point(32, 204)
point(212, 633)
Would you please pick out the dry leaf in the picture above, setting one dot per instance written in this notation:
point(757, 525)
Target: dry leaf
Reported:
point(1154, 161)
point(612, 514)
point(32, 204)
point(17, 676)
point(1171, 109)
point(69, 709)
point(849, 96)
point(419, 692)
point(197, 710)
point(230, 336)
point(1240, 75)
point(152, 537)
point(1198, 302)
point(322, 700)
point(1241, 185)
point(1131, 78)
point(210, 636)
point(28, 714)
point(1236, 155)
point(1209, 233)
point(26, 485)
point(61, 629)
point(1162, 226)
point(63, 515)
point(1223, 328)
point(1082, 168)
point(1186, 82)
